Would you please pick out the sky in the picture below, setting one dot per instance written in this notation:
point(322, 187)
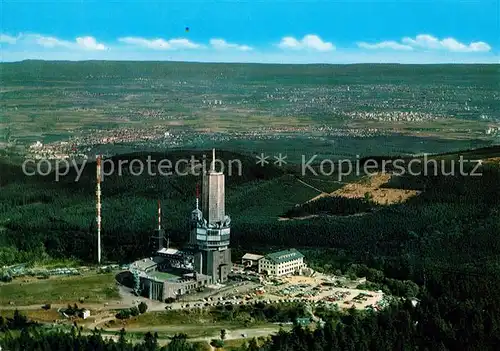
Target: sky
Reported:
point(265, 31)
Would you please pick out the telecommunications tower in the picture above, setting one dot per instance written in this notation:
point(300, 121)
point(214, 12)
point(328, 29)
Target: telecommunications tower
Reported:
point(98, 207)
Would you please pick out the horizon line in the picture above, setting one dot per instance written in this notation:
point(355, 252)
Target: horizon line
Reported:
point(257, 63)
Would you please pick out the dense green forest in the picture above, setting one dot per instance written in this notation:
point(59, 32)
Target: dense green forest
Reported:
point(446, 240)
point(452, 223)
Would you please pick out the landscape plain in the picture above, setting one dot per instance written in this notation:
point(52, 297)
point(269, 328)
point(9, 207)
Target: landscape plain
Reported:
point(330, 110)
point(426, 237)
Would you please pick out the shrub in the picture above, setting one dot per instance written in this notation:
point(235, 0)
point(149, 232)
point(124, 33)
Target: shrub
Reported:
point(217, 343)
point(6, 277)
point(72, 310)
point(143, 307)
point(134, 311)
point(123, 314)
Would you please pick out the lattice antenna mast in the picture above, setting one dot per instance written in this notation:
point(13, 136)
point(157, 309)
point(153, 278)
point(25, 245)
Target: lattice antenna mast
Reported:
point(197, 196)
point(98, 207)
point(159, 215)
point(159, 225)
point(213, 160)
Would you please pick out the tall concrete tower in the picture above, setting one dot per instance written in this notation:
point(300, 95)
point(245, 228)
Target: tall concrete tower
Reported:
point(211, 228)
point(213, 194)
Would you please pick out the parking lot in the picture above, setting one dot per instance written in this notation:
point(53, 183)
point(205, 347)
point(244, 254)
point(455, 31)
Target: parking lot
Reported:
point(317, 289)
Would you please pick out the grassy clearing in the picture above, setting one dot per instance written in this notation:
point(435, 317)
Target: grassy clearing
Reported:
point(234, 343)
point(170, 318)
point(35, 315)
point(185, 321)
point(58, 263)
point(95, 288)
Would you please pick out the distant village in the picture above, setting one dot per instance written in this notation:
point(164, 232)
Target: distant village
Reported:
point(158, 137)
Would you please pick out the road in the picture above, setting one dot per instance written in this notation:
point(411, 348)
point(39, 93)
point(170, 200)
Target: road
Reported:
point(103, 312)
point(231, 334)
point(128, 299)
point(244, 333)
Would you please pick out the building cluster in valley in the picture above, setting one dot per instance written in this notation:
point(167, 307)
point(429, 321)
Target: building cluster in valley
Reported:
point(206, 260)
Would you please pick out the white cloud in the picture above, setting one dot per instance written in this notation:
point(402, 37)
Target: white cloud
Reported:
point(479, 46)
point(385, 45)
point(150, 44)
point(7, 39)
point(221, 44)
point(85, 43)
point(183, 44)
point(423, 41)
point(310, 41)
point(89, 43)
point(422, 48)
point(49, 42)
point(429, 42)
point(160, 44)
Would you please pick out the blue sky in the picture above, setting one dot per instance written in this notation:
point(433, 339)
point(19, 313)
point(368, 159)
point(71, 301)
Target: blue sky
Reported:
point(252, 31)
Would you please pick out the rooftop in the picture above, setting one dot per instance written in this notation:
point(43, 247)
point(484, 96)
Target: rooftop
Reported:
point(169, 251)
point(284, 256)
point(303, 321)
point(146, 263)
point(252, 257)
point(164, 276)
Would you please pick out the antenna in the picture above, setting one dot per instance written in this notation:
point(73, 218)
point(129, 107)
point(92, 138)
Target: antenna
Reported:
point(98, 207)
point(213, 160)
point(197, 195)
point(159, 215)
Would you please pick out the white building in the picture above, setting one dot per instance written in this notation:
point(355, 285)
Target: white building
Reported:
point(85, 314)
point(37, 145)
point(282, 263)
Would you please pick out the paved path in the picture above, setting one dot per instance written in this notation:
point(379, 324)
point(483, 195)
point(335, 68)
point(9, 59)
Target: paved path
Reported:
point(243, 333)
point(231, 334)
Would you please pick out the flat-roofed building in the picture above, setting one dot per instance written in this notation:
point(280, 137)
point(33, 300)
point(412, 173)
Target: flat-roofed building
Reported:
point(282, 263)
point(159, 286)
point(147, 264)
point(251, 260)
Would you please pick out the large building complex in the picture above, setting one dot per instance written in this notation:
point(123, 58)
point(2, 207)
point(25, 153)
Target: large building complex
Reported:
point(206, 260)
point(282, 263)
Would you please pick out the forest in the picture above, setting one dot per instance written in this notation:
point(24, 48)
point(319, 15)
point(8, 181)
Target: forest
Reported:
point(458, 212)
point(449, 226)
point(445, 241)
